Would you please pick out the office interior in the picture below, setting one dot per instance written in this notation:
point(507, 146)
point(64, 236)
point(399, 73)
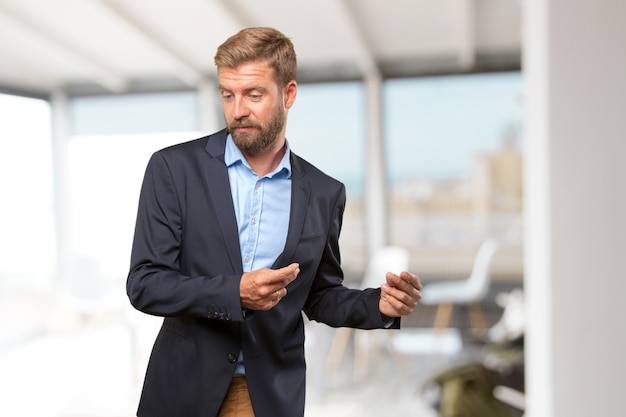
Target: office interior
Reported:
point(542, 314)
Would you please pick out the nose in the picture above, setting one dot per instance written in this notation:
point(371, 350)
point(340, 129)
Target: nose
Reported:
point(240, 109)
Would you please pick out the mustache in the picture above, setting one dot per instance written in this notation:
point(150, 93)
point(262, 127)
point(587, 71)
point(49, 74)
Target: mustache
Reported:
point(243, 123)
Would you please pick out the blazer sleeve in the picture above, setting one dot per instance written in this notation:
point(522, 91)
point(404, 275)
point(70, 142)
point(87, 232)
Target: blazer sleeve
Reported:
point(155, 284)
point(332, 303)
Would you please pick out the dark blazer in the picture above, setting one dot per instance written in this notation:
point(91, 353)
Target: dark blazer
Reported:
point(186, 266)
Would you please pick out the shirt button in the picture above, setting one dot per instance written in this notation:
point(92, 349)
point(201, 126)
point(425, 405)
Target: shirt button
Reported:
point(253, 221)
point(232, 358)
point(247, 260)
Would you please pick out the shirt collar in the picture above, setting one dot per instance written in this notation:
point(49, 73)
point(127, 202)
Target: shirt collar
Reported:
point(233, 155)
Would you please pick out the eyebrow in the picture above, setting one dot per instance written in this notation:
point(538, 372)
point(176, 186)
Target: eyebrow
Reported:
point(245, 90)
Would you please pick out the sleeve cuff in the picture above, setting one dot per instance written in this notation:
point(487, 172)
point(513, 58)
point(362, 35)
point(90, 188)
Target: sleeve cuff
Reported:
point(387, 321)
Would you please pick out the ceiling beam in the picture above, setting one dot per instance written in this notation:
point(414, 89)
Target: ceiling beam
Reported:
point(106, 77)
point(366, 61)
point(185, 71)
point(236, 13)
point(467, 34)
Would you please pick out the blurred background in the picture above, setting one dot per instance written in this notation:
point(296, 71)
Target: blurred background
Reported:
point(457, 142)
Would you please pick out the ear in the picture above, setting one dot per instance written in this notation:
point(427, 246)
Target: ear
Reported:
point(291, 90)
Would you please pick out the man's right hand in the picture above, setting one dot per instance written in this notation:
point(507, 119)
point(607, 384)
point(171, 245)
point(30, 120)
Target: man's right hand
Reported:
point(264, 288)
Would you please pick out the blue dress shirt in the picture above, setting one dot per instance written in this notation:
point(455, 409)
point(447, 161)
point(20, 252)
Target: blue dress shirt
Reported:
point(262, 207)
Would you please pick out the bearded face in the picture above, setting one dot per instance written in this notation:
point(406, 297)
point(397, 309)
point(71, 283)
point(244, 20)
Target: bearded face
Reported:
point(255, 106)
point(255, 137)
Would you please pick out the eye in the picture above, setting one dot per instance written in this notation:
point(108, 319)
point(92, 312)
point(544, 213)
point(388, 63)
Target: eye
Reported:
point(226, 95)
point(255, 97)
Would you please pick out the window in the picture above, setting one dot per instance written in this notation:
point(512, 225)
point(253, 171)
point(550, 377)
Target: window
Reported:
point(135, 113)
point(453, 147)
point(27, 247)
point(113, 138)
point(326, 127)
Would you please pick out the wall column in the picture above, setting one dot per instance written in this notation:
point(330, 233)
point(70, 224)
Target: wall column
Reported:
point(575, 248)
point(377, 223)
point(60, 115)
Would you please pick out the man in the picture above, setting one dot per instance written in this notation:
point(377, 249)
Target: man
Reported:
point(235, 237)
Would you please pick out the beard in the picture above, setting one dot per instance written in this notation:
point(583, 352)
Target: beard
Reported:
point(262, 138)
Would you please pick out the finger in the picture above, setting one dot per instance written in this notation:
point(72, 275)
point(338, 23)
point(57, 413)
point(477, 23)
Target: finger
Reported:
point(398, 308)
point(281, 293)
point(276, 279)
point(405, 281)
point(412, 279)
point(277, 289)
point(408, 297)
point(405, 305)
point(401, 304)
point(278, 296)
point(284, 276)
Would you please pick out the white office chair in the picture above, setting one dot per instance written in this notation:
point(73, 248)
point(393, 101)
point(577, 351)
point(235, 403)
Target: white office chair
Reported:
point(470, 291)
point(388, 259)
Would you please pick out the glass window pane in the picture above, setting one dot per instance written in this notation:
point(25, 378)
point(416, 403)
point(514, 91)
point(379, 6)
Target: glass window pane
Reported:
point(454, 155)
point(105, 176)
point(134, 113)
point(27, 246)
point(326, 126)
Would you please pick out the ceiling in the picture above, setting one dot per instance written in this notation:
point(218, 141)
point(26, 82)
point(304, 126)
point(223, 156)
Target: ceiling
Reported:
point(116, 46)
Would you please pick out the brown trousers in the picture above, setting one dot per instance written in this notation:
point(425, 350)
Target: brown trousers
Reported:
point(237, 402)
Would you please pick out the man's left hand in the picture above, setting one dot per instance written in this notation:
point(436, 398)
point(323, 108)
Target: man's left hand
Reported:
point(400, 294)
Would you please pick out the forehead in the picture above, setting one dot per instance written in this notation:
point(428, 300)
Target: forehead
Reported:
point(245, 74)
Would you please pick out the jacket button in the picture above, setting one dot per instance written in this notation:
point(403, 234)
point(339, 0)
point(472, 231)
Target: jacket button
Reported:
point(232, 358)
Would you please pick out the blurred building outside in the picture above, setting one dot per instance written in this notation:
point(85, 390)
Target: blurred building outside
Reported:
point(442, 222)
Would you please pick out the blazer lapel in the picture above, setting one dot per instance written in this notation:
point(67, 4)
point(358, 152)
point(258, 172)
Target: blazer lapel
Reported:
point(218, 184)
point(216, 175)
point(300, 193)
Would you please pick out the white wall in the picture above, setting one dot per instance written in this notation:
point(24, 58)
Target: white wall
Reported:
point(575, 69)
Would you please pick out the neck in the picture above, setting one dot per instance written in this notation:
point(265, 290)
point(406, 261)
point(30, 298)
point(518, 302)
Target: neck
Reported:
point(265, 162)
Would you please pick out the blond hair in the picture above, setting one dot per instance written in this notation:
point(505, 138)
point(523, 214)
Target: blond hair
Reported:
point(259, 44)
